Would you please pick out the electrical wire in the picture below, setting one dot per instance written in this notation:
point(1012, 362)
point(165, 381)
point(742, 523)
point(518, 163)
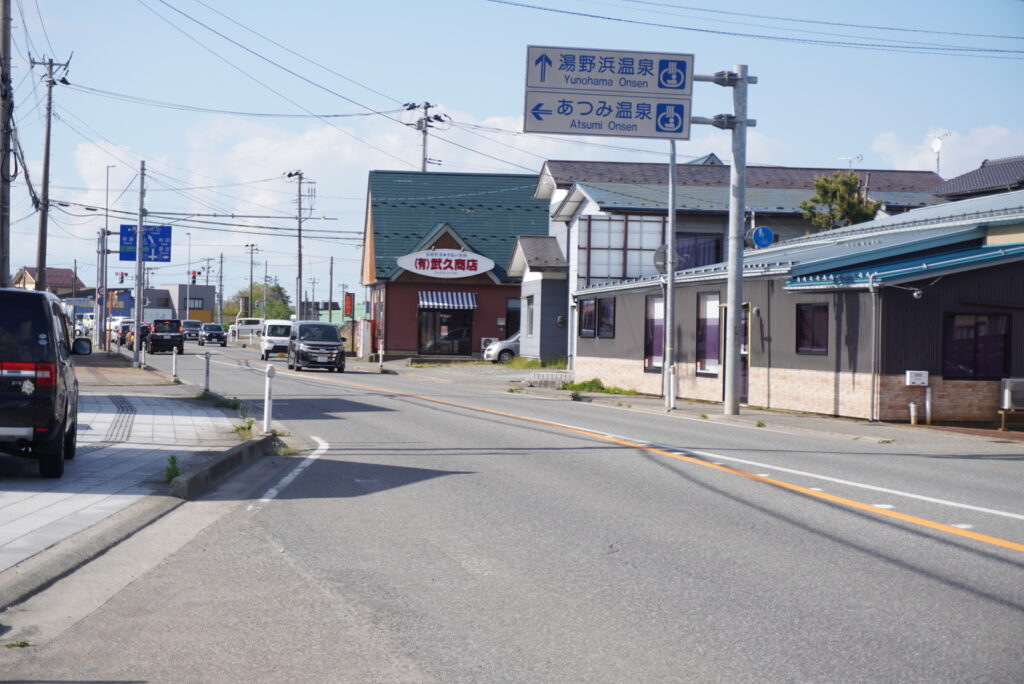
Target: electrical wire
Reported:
point(824, 23)
point(210, 110)
point(993, 53)
point(250, 76)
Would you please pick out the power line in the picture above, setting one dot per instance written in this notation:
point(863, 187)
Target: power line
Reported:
point(824, 23)
point(211, 110)
point(995, 53)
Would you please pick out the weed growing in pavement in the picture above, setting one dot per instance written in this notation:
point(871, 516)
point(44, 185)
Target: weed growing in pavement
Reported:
point(885, 441)
point(172, 470)
point(594, 385)
point(760, 423)
point(16, 644)
point(576, 395)
point(704, 416)
point(234, 403)
point(244, 431)
point(515, 388)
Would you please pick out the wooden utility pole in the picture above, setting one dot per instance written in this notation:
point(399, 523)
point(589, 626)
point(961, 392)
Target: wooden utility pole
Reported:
point(44, 199)
point(6, 116)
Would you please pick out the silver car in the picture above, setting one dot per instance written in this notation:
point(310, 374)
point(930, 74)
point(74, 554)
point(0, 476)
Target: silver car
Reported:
point(502, 351)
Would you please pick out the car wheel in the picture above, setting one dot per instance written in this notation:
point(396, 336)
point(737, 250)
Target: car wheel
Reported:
point(223, 344)
point(505, 356)
point(263, 356)
point(51, 461)
point(201, 343)
point(71, 441)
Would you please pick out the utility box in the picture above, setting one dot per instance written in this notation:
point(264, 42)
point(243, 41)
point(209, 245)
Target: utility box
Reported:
point(917, 378)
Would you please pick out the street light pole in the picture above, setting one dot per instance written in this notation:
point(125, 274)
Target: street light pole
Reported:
point(188, 279)
point(252, 250)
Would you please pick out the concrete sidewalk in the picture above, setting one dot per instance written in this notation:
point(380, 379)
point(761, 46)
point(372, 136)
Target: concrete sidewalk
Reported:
point(129, 422)
point(545, 383)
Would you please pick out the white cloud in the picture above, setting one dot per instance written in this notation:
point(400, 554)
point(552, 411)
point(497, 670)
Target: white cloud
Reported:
point(960, 152)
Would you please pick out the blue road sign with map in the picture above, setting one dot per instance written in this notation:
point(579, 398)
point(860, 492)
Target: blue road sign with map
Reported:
point(156, 243)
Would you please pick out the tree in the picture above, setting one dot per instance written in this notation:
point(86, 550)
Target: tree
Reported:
point(839, 200)
point(278, 303)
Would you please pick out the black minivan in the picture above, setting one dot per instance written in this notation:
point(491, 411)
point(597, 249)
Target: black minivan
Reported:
point(38, 387)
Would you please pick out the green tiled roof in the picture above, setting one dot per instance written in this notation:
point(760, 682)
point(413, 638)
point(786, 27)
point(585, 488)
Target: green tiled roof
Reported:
point(487, 210)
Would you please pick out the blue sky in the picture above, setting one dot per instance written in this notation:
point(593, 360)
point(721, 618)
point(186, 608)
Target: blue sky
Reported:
point(817, 104)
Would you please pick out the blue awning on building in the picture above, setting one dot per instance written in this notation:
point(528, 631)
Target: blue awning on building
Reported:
point(447, 300)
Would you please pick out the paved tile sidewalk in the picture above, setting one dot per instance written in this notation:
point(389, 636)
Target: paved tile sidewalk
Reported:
point(123, 445)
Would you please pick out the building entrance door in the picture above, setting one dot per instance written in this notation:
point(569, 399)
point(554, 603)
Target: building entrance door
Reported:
point(446, 331)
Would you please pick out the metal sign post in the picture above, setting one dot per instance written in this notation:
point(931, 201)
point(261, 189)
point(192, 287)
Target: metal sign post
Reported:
point(578, 91)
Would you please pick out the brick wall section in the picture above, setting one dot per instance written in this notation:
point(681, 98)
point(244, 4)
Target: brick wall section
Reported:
point(828, 393)
point(952, 400)
point(624, 373)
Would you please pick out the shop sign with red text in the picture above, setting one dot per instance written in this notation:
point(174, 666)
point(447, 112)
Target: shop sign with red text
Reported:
point(446, 263)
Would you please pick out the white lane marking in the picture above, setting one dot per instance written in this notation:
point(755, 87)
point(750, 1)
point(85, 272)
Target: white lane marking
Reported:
point(886, 506)
point(963, 526)
point(885, 490)
point(816, 489)
point(272, 493)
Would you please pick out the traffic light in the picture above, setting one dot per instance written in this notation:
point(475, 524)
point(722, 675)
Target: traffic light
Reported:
point(194, 277)
point(120, 276)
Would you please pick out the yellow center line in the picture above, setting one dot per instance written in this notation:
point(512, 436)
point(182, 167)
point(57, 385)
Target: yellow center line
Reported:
point(843, 501)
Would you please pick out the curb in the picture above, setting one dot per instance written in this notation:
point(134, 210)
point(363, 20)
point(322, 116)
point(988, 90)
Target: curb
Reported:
point(44, 569)
point(190, 486)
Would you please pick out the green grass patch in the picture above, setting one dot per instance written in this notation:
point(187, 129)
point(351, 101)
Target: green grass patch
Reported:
point(172, 470)
point(594, 385)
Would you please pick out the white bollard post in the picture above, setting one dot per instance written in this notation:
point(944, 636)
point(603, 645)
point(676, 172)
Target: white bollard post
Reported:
point(268, 401)
point(380, 355)
point(928, 405)
point(142, 350)
point(174, 363)
point(206, 380)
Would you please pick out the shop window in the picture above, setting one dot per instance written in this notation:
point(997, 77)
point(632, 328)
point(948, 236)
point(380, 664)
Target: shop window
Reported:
point(654, 333)
point(812, 328)
point(529, 316)
point(974, 346)
point(606, 317)
point(588, 318)
point(708, 333)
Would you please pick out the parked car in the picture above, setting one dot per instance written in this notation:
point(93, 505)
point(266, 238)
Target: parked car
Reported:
point(38, 387)
point(122, 330)
point(212, 333)
point(167, 334)
point(190, 328)
point(502, 351)
point(275, 338)
point(313, 344)
point(142, 331)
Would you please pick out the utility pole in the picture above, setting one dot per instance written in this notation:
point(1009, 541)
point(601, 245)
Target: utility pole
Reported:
point(252, 250)
point(330, 292)
point(220, 291)
point(207, 260)
point(188, 278)
point(264, 297)
point(316, 308)
point(298, 278)
point(140, 291)
point(44, 200)
point(6, 116)
point(423, 125)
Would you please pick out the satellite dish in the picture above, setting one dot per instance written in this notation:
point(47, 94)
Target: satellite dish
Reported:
point(936, 145)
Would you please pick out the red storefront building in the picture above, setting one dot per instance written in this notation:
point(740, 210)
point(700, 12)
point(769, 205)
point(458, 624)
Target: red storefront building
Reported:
point(435, 251)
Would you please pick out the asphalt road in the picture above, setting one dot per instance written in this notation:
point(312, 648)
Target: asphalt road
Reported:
point(442, 531)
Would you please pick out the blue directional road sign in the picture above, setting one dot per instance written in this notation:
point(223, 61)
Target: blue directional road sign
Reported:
point(763, 236)
point(608, 92)
point(156, 245)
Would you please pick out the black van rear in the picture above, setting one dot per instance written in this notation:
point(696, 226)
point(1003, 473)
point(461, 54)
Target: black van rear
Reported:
point(38, 387)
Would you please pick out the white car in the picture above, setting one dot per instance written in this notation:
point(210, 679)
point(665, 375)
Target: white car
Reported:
point(275, 339)
point(244, 326)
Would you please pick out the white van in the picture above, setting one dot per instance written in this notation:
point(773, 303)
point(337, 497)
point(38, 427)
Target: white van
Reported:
point(275, 338)
point(243, 326)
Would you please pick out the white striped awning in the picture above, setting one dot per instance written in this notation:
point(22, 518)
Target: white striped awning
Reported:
point(447, 300)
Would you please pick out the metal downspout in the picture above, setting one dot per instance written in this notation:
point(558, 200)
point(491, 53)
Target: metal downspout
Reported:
point(874, 347)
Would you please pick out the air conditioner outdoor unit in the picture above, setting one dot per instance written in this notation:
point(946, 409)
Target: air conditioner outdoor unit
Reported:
point(486, 342)
point(1011, 394)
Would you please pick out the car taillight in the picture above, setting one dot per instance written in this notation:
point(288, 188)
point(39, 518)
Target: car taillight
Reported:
point(15, 368)
point(46, 374)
